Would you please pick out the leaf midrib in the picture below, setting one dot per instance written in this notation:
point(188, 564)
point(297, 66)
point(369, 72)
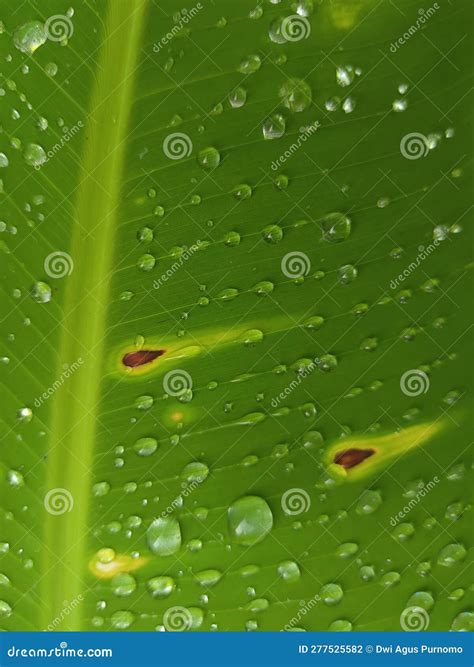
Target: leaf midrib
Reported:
point(75, 410)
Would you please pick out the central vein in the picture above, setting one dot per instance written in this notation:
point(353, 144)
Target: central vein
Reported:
point(75, 408)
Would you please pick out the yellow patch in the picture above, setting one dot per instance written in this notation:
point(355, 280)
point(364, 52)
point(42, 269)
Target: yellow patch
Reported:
point(386, 448)
point(119, 563)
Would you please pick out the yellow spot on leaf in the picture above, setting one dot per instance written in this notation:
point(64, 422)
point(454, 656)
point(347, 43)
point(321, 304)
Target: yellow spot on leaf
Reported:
point(106, 569)
point(387, 448)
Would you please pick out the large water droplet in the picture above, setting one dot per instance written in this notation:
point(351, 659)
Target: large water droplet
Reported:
point(250, 520)
point(164, 536)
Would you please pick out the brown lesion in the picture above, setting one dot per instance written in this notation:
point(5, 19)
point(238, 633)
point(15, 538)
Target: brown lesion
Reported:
point(349, 458)
point(141, 357)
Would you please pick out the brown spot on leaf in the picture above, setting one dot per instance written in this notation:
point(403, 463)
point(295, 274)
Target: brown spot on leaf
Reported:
point(352, 457)
point(141, 357)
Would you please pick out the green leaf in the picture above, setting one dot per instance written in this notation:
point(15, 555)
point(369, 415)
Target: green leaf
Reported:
point(235, 316)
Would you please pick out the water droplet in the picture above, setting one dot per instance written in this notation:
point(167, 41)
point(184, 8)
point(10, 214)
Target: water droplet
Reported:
point(390, 579)
point(100, 489)
point(331, 594)
point(145, 446)
point(340, 626)
point(146, 262)
point(399, 105)
point(5, 609)
point(29, 37)
point(232, 239)
point(164, 536)
point(250, 64)
point(41, 292)
point(209, 158)
point(347, 274)
point(250, 520)
point(336, 227)
point(326, 363)
point(161, 587)
point(369, 502)
point(242, 191)
point(347, 549)
point(208, 577)
point(121, 620)
point(451, 554)
point(345, 75)
point(35, 155)
point(145, 235)
point(403, 532)
point(3, 160)
point(195, 472)
point(144, 402)
point(296, 95)
point(272, 233)
point(238, 97)
point(289, 571)
point(274, 126)
point(464, 622)
point(123, 584)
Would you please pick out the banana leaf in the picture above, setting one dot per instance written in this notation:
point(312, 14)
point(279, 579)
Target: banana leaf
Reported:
point(235, 324)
